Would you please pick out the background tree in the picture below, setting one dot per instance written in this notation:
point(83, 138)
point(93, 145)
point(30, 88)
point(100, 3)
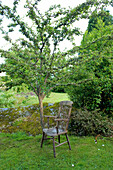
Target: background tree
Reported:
point(36, 58)
point(98, 64)
point(104, 15)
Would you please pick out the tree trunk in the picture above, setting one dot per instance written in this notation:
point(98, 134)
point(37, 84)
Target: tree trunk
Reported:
point(41, 111)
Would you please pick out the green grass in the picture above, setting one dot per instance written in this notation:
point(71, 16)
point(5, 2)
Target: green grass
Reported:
point(18, 152)
point(53, 98)
point(56, 97)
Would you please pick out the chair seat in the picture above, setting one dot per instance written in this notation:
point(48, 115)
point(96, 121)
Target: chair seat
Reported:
point(53, 131)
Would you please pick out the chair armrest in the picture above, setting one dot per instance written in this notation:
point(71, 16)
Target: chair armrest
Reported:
point(50, 116)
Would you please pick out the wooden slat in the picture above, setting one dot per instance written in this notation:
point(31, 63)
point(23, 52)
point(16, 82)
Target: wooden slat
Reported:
point(61, 144)
point(50, 116)
point(56, 142)
point(68, 103)
point(47, 138)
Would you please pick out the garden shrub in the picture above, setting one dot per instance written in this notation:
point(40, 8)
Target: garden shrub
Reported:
point(84, 122)
point(94, 94)
point(6, 99)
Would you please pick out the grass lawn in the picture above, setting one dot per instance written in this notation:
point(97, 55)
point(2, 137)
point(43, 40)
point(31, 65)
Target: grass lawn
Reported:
point(21, 100)
point(56, 97)
point(19, 152)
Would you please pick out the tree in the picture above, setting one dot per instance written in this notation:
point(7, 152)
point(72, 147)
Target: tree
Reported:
point(31, 59)
point(98, 64)
point(104, 15)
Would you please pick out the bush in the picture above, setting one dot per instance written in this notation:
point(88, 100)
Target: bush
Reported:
point(6, 99)
point(84, 122)
point(94, 94)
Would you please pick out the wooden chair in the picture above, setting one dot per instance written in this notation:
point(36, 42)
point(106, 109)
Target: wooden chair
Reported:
point(62, 122)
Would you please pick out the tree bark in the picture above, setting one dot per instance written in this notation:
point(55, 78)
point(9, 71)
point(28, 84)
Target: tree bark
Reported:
point(41, 111)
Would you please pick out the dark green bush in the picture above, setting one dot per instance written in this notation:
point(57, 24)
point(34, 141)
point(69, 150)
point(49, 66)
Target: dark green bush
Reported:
point(84, 122)
point(94, 94)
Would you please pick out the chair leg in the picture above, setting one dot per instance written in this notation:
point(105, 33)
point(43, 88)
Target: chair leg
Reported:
point(42, 139)
point(59, 138)
point(68, 141)
point(54, 147)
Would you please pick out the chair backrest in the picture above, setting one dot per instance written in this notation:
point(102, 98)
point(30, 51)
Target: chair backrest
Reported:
point(64, 113)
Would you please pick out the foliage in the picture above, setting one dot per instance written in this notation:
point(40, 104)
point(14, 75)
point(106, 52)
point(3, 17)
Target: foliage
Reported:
point(59, 89)
point(97, 66)
point(36, 59)
point(84, 123)
point(6, 99)
point(104, 15)
point(19, 151)
point(95, 94)
point(17, 89)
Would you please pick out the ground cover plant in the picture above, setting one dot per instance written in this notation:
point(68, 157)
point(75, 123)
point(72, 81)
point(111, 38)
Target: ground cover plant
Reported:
point(19, 151)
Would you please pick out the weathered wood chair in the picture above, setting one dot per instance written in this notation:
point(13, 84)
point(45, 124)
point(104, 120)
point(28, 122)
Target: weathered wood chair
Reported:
point(62, 122)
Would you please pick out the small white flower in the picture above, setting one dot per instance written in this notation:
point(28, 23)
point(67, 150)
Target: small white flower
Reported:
point(98, 149)
point(72, 164)
point(103, 145)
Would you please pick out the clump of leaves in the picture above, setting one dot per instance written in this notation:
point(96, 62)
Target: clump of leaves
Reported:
point(6, 99)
